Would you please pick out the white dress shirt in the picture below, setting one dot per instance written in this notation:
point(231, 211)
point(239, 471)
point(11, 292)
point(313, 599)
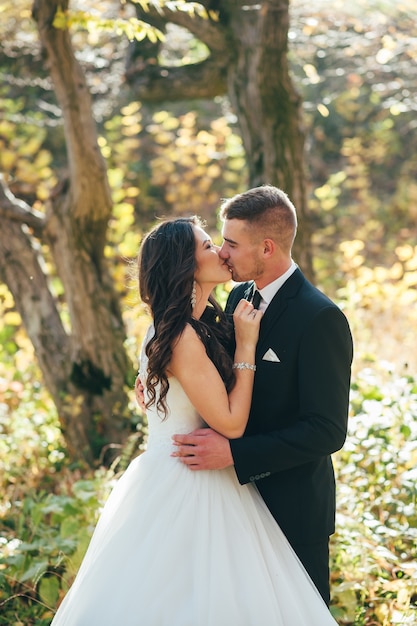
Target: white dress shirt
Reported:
point(270, 290)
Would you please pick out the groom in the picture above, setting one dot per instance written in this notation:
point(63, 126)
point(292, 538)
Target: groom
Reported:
point(300, 398)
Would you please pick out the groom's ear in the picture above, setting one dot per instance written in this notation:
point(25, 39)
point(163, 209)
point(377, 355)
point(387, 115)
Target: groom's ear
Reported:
point(268, 248)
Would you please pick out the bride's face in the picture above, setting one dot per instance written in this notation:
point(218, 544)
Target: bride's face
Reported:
point(210, 267)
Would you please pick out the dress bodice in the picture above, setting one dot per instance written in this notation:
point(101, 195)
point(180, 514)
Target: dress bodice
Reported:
point(181, 416)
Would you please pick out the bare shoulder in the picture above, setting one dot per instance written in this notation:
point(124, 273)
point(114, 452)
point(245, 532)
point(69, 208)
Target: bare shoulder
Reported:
point(188, 335)
point(188, 344)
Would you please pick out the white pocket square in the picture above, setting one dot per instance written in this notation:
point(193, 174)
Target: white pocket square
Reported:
point(271, 356)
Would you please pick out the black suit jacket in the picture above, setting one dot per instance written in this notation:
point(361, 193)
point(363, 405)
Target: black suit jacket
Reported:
point(299, 409)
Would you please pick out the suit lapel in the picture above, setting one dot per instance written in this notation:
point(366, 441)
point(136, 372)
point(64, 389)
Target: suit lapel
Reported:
point(278, 305)
point(244, 290)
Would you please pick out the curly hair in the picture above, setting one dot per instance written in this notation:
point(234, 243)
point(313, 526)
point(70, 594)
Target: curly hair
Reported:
point(166, 276)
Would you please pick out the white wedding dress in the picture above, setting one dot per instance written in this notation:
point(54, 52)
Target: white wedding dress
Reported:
point(175, 547)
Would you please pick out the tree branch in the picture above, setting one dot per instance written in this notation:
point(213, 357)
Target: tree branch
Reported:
point(207, 79)
point(18, 211)
point(209, 32)
point(156, 83)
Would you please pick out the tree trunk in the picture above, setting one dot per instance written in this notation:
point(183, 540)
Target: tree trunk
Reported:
point(85, 365)
point(248, 61)
point(269, 108)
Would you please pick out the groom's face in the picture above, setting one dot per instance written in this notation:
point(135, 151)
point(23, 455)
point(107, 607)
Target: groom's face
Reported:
point(241, 252)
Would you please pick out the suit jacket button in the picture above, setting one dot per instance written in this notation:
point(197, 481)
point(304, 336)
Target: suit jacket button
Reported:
point(252, 478)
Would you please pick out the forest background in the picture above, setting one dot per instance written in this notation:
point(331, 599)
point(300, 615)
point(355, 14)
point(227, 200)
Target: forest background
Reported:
point(165, 154)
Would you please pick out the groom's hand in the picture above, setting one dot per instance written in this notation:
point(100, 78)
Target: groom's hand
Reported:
point(139, 394)
point(203, 449)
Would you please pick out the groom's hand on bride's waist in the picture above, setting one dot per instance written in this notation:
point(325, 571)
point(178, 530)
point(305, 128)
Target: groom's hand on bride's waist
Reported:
point(139, 393)
point(203, 449)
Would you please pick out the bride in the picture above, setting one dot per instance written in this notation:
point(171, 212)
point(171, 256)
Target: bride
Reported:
point(180, 548)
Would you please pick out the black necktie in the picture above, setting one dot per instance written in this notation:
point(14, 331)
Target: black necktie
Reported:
point(256, 300)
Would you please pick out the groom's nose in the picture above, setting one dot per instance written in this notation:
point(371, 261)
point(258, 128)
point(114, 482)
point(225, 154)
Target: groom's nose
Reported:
point(223, 253)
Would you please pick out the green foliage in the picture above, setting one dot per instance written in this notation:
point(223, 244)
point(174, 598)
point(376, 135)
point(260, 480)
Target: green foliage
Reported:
point(374, 553)
point(30, 443)
point(191, 161)
point(379, 301)
point(355, 72)
point(130, 27)
point(22, 152)
point(48, 509)
point(44, 544)
point(191, 8)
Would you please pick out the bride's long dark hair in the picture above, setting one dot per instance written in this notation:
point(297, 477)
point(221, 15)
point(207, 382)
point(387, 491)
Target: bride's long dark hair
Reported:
point(166, 276)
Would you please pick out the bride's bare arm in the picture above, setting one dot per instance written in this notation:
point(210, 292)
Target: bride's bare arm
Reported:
point(227, 414)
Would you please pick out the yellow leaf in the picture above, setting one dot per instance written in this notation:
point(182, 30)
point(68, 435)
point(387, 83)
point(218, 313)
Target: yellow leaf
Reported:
point(163, 138)
point(396, 271)
point(404, 252)
point(131, 108)
point(237, 164)
point(160, 116)
point(12, 318)
point(323, 110)
point(43, 160)
point(31, 146)
point(7, 159)
point(128, 120)
point(134, 129)
point(171, 123)
point(214, 171)
point(116, 176)
point(132, 192)
point(410, 279)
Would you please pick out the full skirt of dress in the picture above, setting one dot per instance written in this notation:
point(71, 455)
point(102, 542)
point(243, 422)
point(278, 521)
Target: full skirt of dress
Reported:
point(176, 547)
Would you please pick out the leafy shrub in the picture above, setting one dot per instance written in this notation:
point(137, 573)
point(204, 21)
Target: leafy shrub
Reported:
point(374, 553)
point(42, 549)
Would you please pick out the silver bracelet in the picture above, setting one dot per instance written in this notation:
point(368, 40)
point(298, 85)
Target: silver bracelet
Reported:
point(244, 366)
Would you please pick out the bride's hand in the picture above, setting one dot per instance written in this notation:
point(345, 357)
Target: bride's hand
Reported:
point(247, 321)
